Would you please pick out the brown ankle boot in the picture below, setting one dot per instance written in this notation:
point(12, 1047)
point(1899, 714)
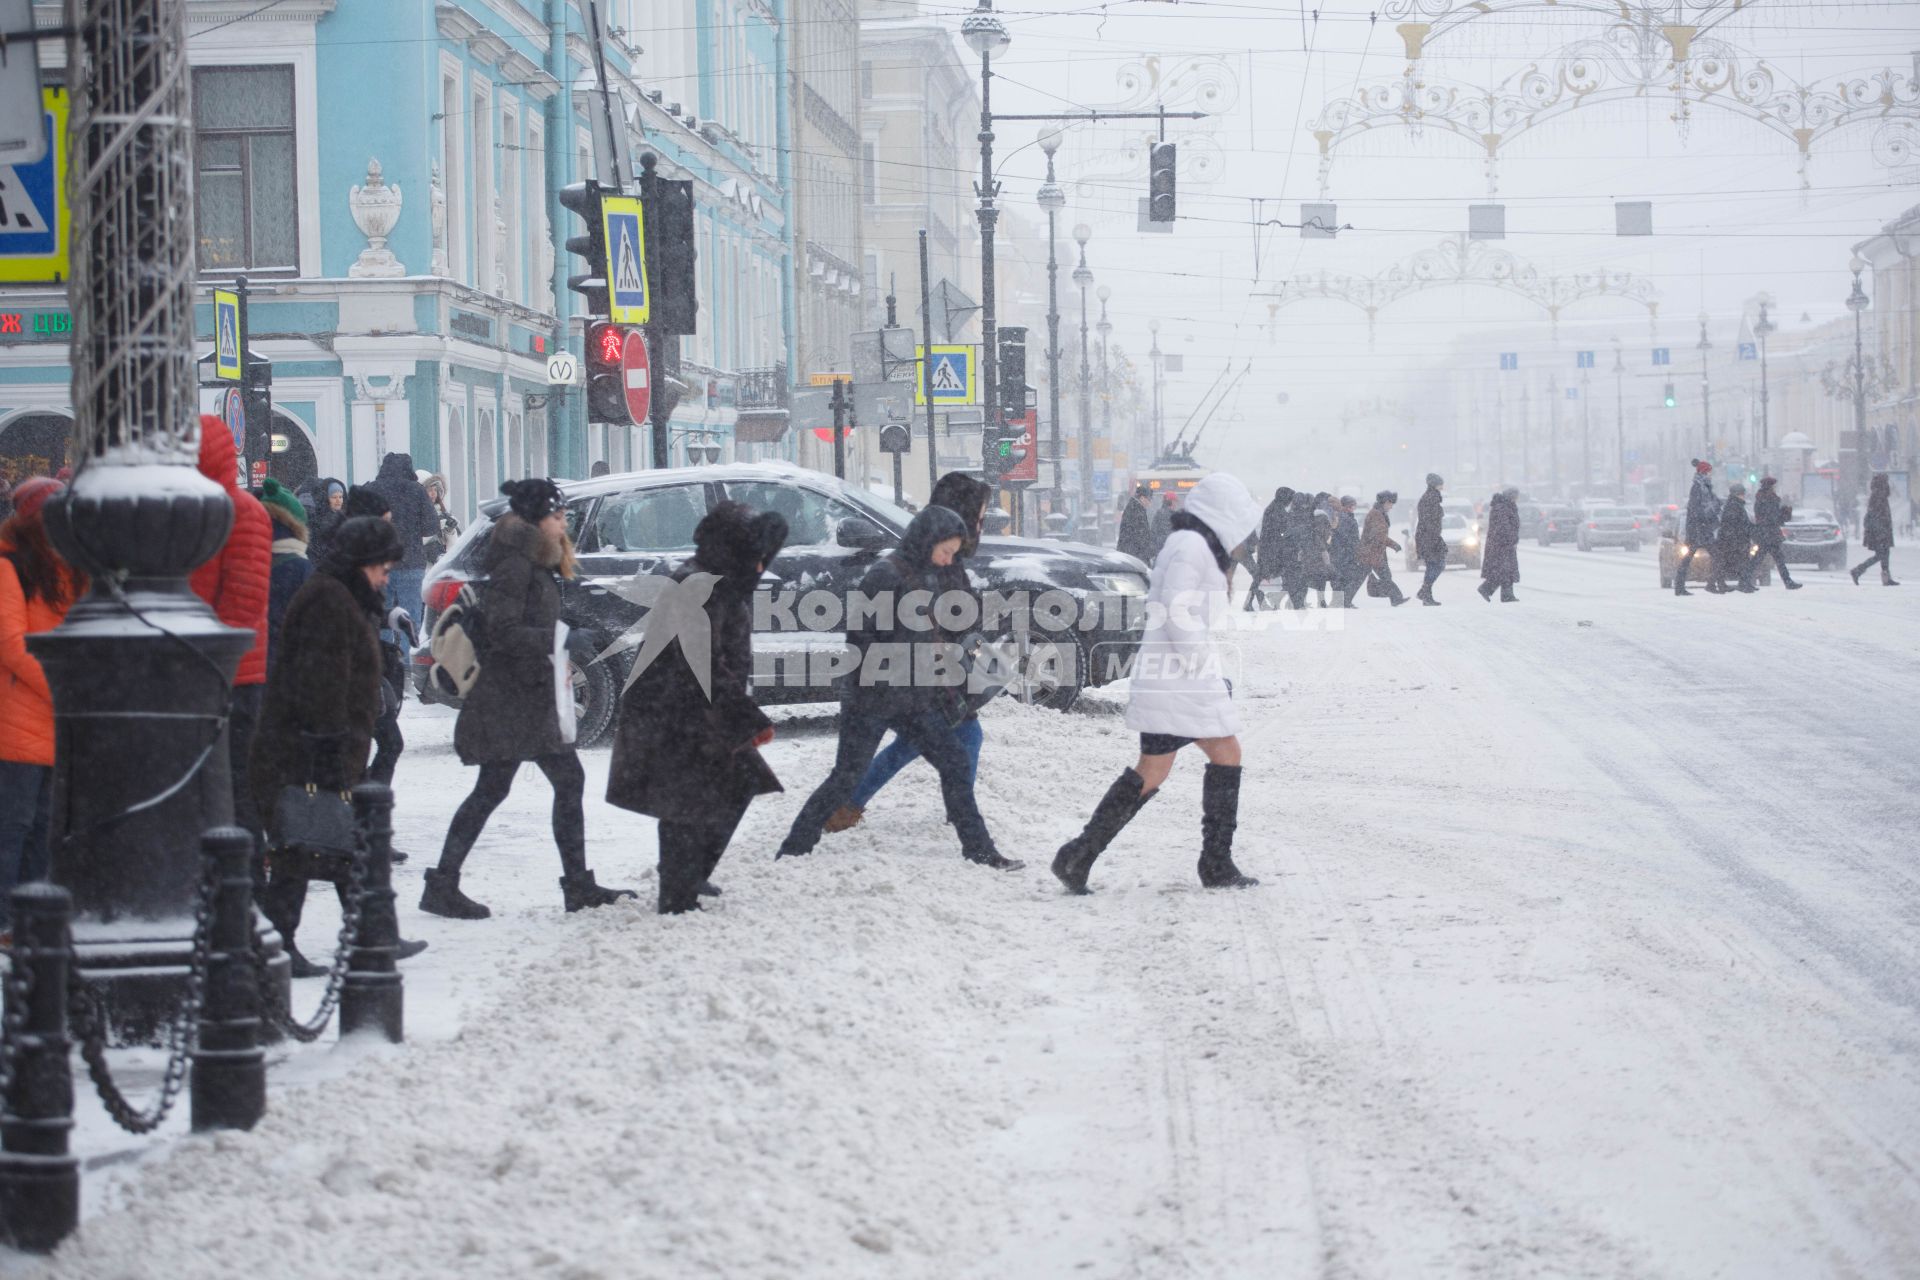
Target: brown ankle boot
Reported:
point(844, 818)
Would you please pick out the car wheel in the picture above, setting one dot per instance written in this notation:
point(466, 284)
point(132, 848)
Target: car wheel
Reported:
point(596, 692)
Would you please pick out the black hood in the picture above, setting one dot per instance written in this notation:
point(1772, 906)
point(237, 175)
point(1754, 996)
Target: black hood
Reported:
point(734, 541)
point(397, 466)
point(929, 529)
point(1283, 495)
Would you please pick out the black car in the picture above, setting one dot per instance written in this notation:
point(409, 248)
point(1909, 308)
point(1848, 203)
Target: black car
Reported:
point(1814, 537)
point(1072, 614)
point(1557, 524)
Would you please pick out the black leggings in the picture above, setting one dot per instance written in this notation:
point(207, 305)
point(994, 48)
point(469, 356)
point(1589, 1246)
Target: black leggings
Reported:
point(1881, 558)
point(569, 782)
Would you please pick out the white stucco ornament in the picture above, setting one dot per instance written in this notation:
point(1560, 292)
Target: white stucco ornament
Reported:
point(376, 208)
point(437, 213)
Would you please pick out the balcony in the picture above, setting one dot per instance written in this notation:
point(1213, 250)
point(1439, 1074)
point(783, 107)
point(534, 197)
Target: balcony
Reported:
point(762, 388)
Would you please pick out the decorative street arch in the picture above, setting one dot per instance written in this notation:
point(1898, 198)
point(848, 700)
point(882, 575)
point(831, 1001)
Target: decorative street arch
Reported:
point(1429, 21)
point(1459, 261)
point(1633, 61)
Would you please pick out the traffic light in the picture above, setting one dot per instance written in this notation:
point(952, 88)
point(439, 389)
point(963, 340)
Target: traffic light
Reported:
point(1160, 170)
point(606, 383)
point(1012, 371)
point(583, 198)
point(671, 255)
point(1671, 399)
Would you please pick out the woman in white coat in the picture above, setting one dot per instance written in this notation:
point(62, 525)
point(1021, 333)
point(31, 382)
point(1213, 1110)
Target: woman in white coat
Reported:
point(1180, 691)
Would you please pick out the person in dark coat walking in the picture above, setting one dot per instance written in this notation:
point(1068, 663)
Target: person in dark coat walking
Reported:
point(1428, 542)
point(1297, 557)
point(416, 521)
point(1703, 519)
point(1770, 516)
point(967, 498)
point(1136, 527)
point(881, 693)
point(1876, 535)
point(1320, 546)
point(1375, 541)
point(1733, 543)
point(686, 746)
point(329, 509)
point(511, 715)
point(291, 568)
point(316, 721)
point(1500, 561)
point(1344, 551)
point(1270, 549)
point(1162, 524)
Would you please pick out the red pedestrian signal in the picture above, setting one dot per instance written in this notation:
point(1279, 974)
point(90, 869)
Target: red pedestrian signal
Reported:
point(606, 387)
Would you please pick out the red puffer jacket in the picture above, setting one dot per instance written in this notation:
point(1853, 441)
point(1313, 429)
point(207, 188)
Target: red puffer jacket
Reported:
point(236, 582)
point(26, 703)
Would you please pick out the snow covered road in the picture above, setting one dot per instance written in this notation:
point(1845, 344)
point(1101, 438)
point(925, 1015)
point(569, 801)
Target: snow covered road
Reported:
point(1588, 944)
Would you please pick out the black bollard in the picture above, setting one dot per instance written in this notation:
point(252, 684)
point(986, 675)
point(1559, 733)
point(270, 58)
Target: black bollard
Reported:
point(229, 1083)
point(372, 998)
point(39, 1181)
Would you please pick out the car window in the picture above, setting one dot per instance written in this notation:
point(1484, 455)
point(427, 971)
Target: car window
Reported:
point(1453, 522)
point(812, 517)
point(655, 519)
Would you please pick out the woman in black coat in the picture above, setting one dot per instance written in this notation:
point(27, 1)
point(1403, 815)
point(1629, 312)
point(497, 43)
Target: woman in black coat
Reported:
point(1877, 533)
point(512, 714)
point(1500, 561)
point(688, 752)
point(1733, 543)
point(318, 713)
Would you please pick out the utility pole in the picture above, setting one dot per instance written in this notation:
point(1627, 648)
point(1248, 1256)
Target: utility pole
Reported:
point(1620, 415)
point(1706, 416)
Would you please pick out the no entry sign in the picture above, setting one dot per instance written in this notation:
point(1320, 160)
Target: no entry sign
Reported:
point(637, 375)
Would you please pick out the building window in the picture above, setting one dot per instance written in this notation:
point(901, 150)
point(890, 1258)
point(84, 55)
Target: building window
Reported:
point(866, 80)
point(245, 209)
point(867, 167)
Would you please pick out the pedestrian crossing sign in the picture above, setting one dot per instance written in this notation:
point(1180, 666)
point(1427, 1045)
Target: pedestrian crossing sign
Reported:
point(625, 226)
point(226, 334)
point(35, 230)
point(947, 377)
point(1583, 360)
point(1662, 355)
point(1509, 360)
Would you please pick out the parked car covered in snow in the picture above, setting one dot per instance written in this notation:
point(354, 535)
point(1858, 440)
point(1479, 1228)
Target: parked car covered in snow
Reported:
point(639, 525)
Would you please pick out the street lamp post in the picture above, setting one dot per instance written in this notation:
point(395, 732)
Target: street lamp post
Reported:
point(1857, 303)
point(1106, 374)
point(1051, 198)
point(987, 36)
point(1153, 353)
point(1083, 276)
point(1620, 416)
point(1586, 431)
point(1761, 328)
point(1706, 416)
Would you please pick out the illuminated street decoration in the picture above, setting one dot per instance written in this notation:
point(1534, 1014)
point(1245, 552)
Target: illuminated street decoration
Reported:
point(1633, 61)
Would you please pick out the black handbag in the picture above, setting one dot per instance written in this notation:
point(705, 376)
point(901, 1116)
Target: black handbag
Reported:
point(309, 817)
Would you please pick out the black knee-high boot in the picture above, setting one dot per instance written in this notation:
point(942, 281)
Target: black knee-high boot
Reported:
point(1124, 798)
point(1219, 815)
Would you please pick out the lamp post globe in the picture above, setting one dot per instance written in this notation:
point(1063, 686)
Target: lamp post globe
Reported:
point(984, 33)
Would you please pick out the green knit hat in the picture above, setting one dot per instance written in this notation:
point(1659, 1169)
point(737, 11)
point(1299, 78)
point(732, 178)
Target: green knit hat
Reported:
point(283, 506)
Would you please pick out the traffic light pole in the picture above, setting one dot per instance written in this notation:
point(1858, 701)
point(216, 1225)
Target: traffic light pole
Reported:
point(840, 429)
point(657, 410)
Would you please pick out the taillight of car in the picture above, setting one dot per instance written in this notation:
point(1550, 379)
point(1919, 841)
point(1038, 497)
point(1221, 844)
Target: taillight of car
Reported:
point(1636, 524)
point(1834, 532)
point(1592, 524)
point(443, 591)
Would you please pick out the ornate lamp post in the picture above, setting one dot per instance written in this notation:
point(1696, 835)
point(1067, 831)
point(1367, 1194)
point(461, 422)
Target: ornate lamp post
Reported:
point(1153, 353)
point(1857, 303)
point(140, 669)
point(987, 36)
point(1106, 373)
point(1083, 276)
point(1051, 198)
point(1620, 416)
point(1761, 328)
point(1706, 417)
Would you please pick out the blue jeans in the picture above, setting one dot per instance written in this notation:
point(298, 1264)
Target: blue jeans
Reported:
point(861, 729)
point(404, 587)
point(1435, 567)
point(900, 753)
point(26, 812)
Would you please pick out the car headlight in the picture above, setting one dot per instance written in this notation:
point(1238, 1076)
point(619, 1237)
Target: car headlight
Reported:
point(1471, 542)
point(1118, 584)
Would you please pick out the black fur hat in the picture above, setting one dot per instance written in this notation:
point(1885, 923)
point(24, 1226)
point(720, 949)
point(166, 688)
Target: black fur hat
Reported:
point(534, 498)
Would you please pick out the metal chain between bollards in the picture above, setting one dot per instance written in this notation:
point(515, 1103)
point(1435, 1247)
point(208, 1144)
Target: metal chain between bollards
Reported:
point(90, 1026)
point(282, 1015)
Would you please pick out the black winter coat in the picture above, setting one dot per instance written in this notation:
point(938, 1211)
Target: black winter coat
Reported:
point(1877, 533)
point(1272, 554)
point(1160, 529)
point(510, 713)
point(290, 572)
point(1345, 548)
point(887, 640)
point(414, 517)
point(1428, 543)
point(1500, 560)
point(1703, 511)
point(1733, 541)
point(679, 755)
point(1769, 514)
point(1136, 532)
point(323, 691)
